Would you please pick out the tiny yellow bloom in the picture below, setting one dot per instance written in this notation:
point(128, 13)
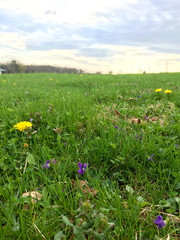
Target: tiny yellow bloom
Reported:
point(21, 126)
point(26, 145)
point(159, 90)
point(168, 91)
point(81, 75)
point(4, 80)
point(14, 84)
point(50, 79)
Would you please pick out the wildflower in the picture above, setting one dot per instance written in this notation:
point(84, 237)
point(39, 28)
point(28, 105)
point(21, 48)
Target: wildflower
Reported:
point(139, 137)
point(151, 158)
point(50, 79)
point(116, 126)
point(26, 145)
point(168, 91)
point(158, 90)
point(21, 126)
point(159, 222)
point(34, 132)
point(146, 117)
point(63, 189)
point(82, 168)
point(47, 164)
point(31, 119)
point(54, 161)
point(81, 75)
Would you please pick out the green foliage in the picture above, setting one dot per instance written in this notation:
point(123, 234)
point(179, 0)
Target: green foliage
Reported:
point(127, 132)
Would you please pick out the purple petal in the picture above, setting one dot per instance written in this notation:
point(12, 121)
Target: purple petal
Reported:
point(80, 171)
point(84, 165)
point(47, 166)
point(159, 221)
point(80, 165)
point(48, 161)
point(54, 161)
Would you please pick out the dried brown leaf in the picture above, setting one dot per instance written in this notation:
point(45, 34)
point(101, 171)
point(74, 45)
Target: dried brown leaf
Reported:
point(84, 187)
point(135, 120)
point(34, 195)
point(57, 130)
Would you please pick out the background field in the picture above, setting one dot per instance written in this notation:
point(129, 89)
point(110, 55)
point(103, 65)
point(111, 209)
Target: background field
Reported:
point(127, 132)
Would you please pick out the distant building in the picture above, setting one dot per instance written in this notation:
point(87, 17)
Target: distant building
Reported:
point(2, 70)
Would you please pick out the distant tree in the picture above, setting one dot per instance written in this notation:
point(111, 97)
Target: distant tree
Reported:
point(17, 67)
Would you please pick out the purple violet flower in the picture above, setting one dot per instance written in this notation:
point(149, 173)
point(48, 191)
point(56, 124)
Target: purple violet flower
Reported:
point(47, 164)
point(63, 189)
point(116, 126)
point(146, 117)
point(139, 137)
point(82, 168)
point(151, 158)
point(54, 161)
point(34, 132)
point(159, 222)
point(31, 119)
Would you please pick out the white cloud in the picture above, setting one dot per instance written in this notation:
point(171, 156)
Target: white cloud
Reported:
point(12, 40)
point(98, 35)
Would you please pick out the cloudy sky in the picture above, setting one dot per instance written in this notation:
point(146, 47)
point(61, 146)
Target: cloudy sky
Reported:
point(125, 36)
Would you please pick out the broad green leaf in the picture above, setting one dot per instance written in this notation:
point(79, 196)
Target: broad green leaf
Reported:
point(79, 233)
point(30, 159)
point(66, 221)
point(129, 189)
point(177, 186)
point(59, 235)
point(140, 199)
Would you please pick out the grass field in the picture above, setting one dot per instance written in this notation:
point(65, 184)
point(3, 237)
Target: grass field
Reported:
point(125, 133)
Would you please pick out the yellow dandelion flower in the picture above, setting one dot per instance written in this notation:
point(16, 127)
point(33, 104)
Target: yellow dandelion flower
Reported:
point(159, 90)
point(25, 145)
point(81, 75)
point(168, 91)
point(50, 79)
point(21, 126)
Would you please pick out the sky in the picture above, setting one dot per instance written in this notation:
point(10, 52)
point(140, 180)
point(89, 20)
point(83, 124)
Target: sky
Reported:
point(122, 36)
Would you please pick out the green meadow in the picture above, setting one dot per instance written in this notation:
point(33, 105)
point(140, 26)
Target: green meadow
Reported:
point(101, 160)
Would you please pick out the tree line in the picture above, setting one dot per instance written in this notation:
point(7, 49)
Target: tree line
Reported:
point(17, 67)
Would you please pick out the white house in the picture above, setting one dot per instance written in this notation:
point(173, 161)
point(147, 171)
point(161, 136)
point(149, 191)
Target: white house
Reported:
point(2, 70)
